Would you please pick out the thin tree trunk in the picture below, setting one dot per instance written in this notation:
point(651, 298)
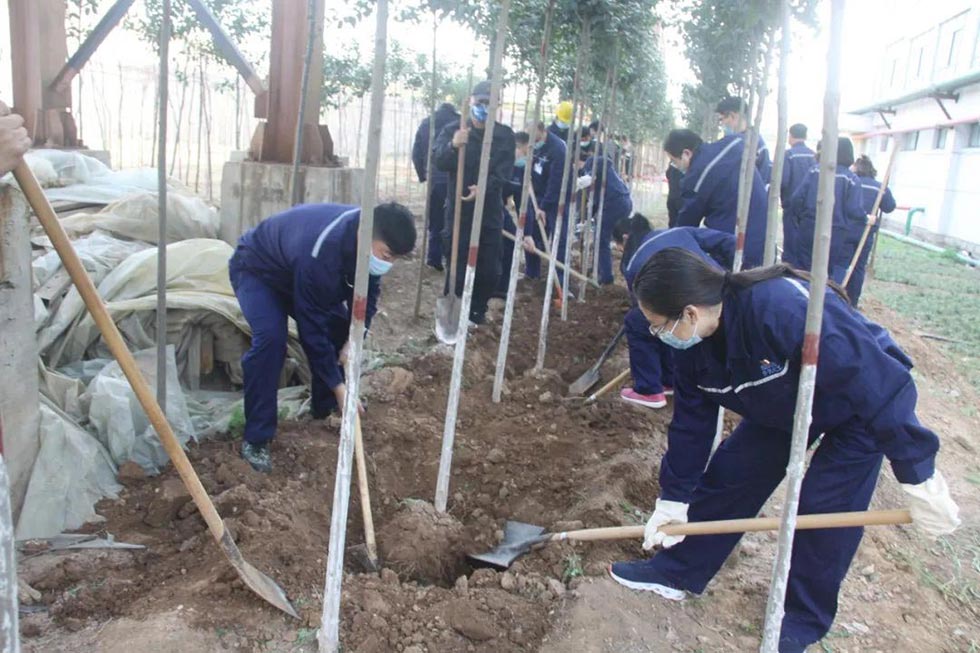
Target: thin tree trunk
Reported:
point(238, 113)
point(360, 124)
point(161, 321)
point(180, 114)
point(208, 110)
point(778, 156)
point(200, 127)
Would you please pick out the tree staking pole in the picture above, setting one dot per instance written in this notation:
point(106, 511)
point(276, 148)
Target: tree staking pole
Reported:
point(556, 236)
point(577, 207)
point(329, 635)
point(811, 340)
point(295, 187)
point(429, 165)
point(9, 610)
point(525, 209)
point(456, 380)
point(772, 218)
point(588, 241)
point(606, 124)
point(161, 321)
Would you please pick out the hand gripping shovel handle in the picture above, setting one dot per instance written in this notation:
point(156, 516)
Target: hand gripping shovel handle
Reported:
point(547, 257)
point(803, 522)
point(257, 581)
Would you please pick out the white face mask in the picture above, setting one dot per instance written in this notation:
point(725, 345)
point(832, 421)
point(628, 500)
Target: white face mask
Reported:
point(379, 267)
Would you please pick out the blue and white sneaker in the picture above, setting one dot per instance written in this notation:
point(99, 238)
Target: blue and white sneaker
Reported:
point(640, 575)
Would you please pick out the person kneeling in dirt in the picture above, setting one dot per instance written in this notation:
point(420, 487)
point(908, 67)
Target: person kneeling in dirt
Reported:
point(739, 341)
point(301, 264)
point(652, 361)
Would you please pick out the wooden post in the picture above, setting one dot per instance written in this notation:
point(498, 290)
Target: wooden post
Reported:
point(772, 217)
point(456, 380)
point(295, 188)
point(556, 238)
point(429, 166)
point(329, 636)
point(161, 321)
point(526, 192)
point(811, 340)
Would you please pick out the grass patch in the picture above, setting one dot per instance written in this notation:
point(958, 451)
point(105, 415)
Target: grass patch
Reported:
point(572, 567)
point(936, 294)
point(953, 569)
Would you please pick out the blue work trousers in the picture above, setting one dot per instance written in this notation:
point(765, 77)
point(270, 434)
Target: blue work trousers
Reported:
point(434, 255)
point(740, 477)
point(651, 361)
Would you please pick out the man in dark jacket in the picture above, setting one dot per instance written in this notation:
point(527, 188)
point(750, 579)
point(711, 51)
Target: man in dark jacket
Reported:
point(301, 264)
point(446, 114)
point(501, 168)
point(796, 164)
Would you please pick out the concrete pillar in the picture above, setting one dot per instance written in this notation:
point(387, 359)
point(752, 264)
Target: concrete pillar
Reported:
point(19, 403)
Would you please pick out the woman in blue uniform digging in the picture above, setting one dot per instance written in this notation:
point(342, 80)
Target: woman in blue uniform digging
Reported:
point(738, 341)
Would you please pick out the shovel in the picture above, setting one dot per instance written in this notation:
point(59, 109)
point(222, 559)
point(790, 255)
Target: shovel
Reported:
point(519, 537)
point(258, 582)
point(619, 378)
point(447, 306)
point(366, 554)
point(591, 376)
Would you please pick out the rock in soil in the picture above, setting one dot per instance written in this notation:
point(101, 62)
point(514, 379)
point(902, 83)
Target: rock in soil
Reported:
point(130, 474)
point(471, 622)
point(422, 544)
point(166, 503)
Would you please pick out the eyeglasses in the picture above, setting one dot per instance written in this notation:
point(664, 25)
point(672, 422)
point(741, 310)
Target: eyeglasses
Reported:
point(656, 331)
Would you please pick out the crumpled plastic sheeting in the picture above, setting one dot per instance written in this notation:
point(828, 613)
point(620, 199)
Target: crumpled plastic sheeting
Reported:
point(75, 177)
point(119, 420)
point(213, 412)
point(65, 392)
point(99, 252)
point(136, 217)
point(72, 472)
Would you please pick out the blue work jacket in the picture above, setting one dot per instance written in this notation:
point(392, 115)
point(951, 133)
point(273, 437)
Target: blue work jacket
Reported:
point(713, 246)
point(796, 164)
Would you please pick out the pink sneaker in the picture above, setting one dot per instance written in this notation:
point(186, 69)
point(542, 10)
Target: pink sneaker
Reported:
point(650, 401)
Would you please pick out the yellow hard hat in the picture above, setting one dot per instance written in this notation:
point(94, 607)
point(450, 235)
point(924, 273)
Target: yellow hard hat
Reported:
point(564, 112)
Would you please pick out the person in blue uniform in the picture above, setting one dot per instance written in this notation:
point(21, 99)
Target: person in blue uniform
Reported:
point(739, 342)
point(446, 153)
point(674, 176)
point(446, 114)
point(709, 188)
point(301, 263)
point(848, 221)
point(865, 171)
point(547, 167)
point(651, 361)
point(616, 206)
point(512, 200)
point(733, 117)
point(797, 162)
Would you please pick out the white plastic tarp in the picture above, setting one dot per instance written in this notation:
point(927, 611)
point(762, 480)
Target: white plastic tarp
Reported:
point(119, 420)
point(75, 177)
point(72, 472)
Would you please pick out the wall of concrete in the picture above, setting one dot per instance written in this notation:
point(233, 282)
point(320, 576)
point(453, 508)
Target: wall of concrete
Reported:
point(19, 393)
point(252, 191)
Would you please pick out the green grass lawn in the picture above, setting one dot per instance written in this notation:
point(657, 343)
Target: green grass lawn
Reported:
point(936, 294)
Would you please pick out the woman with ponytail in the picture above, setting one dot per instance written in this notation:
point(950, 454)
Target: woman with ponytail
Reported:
point(651, 361)
point(738, 340)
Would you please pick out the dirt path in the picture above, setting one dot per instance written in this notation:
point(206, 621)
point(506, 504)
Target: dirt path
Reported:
point(535, 458)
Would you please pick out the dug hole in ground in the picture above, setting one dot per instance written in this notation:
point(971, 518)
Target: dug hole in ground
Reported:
point(535, 458)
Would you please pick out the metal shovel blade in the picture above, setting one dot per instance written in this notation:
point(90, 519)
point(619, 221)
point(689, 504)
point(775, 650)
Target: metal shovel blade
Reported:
point(255, 579)
point(584, 382)
point(518, 540)
point(447, 319)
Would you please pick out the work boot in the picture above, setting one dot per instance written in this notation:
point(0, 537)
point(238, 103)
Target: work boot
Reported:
point(658, 400)
point(257, 455)
point(641, 575)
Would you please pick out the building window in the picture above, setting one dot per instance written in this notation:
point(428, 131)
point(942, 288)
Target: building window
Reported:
point(974, 140)
point(940, 140)
point(951, 57)
point(912, 140)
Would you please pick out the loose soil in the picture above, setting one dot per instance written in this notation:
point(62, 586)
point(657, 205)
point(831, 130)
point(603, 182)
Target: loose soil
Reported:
point(535, 457)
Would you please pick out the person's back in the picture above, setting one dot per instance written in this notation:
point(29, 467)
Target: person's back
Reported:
point(870, 187)
point(798, 161)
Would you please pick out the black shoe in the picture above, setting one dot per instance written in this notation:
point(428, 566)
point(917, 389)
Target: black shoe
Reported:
point(498, 294)
point(438, 267)
point(257, 455)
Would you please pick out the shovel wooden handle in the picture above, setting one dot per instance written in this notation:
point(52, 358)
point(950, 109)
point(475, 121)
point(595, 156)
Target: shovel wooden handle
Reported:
point(803, 522)
point(362, 485)
point(622, 376)
point(547, 257)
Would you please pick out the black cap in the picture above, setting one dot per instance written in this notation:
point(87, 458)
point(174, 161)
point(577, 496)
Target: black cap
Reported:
point(482, 90)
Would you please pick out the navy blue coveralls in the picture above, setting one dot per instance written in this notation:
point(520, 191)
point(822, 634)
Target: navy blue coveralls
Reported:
point(864, 403)
point(709, 191)
point(511, 192)
point(763, 162)
point(548, 165)
point(299, 263)
point(445, 115)
point(848, 221)
point(501, 168)
point(617, 205)
point(796, 164)
point(651, 361)
point(869, 192)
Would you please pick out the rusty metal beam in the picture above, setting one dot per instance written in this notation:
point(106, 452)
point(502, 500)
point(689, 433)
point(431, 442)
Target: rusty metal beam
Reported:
point(227, 47)
point(106, 24)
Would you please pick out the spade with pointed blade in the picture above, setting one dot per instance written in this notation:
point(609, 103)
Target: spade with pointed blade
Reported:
point(591, 376)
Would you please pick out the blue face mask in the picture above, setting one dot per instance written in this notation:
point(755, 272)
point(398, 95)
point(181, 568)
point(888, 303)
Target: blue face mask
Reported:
point(539, 145)
point(479, 112)
point(669, 339)
point(586, 145)
point(378, 267)
point(729, 130)
point(520, 162)
point(561, 125)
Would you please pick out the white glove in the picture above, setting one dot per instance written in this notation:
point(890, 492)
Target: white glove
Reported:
point(583, 182)
point(666, 512)
point(933, 510)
